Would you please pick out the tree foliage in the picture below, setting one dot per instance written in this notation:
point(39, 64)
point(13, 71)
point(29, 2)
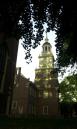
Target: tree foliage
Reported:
point(60, 15)
point(68, 89)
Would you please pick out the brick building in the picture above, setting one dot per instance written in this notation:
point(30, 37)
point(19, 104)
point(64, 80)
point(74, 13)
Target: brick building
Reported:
point(41, 97)
point(24, 96)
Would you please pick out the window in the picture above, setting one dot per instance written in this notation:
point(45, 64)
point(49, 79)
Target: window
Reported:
point(48, 48)
point(17, 85)
point(14, 105)
point(49, 86)
point(57, 95)
point(29, 109)
point(45, 110)
point(17, 71)
point(38, 85)
point(45, 48)
point(20, 108)
point(46, 86)
point(33, 109)
point(40, 95)
point(15, 80)
point(26, 85)
point(30, 91)
point(50, 94)
point(45, 94)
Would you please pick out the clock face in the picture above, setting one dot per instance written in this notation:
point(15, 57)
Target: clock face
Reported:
point(42, 75)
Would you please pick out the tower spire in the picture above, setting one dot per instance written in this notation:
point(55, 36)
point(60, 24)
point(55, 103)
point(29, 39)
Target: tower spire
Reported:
point(46, 39)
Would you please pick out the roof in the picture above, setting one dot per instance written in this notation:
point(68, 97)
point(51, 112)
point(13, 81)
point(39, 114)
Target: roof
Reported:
point(47, 43)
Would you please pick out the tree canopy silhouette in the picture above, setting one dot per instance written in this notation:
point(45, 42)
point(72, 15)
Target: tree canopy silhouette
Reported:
point(68, 89)
point(26, 19)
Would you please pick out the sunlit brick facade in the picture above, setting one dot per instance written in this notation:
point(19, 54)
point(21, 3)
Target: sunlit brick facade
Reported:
point(47, 83)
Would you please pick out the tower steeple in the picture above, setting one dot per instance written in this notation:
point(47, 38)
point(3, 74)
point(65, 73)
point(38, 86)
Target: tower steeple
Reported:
point(46, 46)
point(46, 81)
point(46, 59)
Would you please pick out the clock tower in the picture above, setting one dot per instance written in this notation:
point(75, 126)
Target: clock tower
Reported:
point(47, 82)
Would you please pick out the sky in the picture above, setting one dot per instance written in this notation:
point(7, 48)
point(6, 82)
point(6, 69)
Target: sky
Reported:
point(28, 70)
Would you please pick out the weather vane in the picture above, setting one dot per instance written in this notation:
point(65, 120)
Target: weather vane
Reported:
point(46, 39)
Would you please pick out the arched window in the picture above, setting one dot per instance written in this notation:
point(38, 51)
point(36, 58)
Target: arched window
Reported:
point(48, 48)
point(45, 48)
point(45, 110)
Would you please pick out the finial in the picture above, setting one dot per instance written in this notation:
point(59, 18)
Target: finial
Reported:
point(46, 40)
